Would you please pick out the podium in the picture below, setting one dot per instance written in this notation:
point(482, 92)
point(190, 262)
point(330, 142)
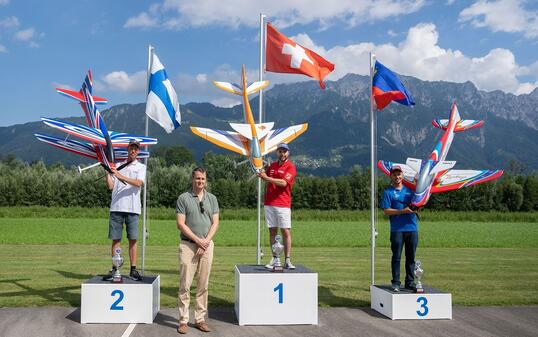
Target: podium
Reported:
point(263, 297)
point(405, 304)
point(127, 302)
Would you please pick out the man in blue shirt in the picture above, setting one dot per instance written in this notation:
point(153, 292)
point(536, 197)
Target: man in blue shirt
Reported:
point(403, 228)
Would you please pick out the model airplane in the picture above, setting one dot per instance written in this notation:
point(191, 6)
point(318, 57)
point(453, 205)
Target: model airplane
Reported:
point(101, 144)
point(435, 174)
point(249, 139)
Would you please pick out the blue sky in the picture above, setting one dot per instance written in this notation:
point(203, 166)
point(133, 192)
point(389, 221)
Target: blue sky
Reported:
point(45, 44)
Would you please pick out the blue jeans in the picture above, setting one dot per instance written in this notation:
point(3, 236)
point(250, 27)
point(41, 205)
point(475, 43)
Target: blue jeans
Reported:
point(397, 241)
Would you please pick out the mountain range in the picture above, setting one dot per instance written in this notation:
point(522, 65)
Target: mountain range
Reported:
point(338, 136)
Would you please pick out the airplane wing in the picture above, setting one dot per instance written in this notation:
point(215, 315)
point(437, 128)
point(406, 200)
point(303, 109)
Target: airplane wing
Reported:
point(282, 135)
point(80, 148)
point(456, 179)
point(226, 139)
point(409, 174)
point(120, 139)
point(77, 130)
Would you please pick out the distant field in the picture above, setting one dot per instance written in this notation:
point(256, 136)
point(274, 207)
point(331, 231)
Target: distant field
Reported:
point(251, 214)
point(482, 258)
point(440, 234)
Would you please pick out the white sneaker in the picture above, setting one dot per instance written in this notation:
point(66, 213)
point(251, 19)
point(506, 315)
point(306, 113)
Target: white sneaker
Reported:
point(270, 264)
point(288, 264)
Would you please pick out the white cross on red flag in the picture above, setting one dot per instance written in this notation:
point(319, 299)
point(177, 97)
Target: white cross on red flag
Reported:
point(283, 55)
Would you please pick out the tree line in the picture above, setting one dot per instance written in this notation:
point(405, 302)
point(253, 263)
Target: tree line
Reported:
point(169, 172)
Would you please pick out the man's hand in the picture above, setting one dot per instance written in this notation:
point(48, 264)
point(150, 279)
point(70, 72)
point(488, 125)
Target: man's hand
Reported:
point(262, 175)
point(203, 243)
point(200, 251)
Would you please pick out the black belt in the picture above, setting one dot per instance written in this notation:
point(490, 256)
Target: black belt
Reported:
point(188, 240)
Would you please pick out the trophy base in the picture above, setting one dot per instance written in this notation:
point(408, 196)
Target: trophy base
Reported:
point(277, 269)
point(419, 290)
point(117, 279)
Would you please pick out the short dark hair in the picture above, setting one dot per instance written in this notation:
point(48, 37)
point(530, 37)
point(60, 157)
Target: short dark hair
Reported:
point(198, 169)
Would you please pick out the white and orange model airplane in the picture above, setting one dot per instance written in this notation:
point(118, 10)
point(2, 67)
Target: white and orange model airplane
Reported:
point(249, 139)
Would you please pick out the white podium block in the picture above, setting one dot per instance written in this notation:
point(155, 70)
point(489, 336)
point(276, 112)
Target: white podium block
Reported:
point(405, 304)
point(266, 298)
point(127, 302)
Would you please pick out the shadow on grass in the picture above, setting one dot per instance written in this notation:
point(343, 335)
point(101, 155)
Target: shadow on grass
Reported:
point(52, 295)
point(327, 298)
point(68, 274)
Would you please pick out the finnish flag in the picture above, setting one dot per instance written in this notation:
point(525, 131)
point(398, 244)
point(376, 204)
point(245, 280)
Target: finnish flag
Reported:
point(162, 104)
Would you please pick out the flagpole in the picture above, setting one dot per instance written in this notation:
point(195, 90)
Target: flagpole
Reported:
point(372, 174)
point(144, 218)
point(260, 101)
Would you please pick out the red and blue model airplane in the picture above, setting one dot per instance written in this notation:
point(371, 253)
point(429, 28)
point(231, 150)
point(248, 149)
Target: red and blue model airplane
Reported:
point(435, 174)
point(100, 144)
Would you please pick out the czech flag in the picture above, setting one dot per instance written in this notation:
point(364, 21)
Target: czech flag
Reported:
point(387, 87)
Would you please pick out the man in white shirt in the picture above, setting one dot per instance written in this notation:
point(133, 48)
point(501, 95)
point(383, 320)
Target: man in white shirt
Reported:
point(125, 206)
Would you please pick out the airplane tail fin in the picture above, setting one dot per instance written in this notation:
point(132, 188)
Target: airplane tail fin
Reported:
point(461, 124)
point(238, 89)
point(78, 95)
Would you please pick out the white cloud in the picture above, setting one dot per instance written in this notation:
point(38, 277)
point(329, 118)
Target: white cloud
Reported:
point(142, 20)
point(4, 2)
point(25, 34)
point(10, 22)
point(177, 14)
point(420, 55)
point(3, 49)
point(123, 82)
point(502, 16)
point(450, 2)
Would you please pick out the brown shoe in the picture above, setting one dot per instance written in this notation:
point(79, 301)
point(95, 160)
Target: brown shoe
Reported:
point(202, 326)
point(183, 328)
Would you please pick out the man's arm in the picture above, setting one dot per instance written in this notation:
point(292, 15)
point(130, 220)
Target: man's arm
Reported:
point(392, 211)
point(185, 230)
point(109, 181)
point(130, 181)
point(278, 182)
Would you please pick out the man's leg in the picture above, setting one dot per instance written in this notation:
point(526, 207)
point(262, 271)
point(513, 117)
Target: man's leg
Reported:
point(411, 242)
point(187, 268)
point(396, 245)
point(132, 252)
point(131, 225)
point(115, 244)
point(286, 235)
point(204, 269)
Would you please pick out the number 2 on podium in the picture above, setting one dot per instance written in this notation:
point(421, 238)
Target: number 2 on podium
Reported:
point(115, 305)
point(280, 289)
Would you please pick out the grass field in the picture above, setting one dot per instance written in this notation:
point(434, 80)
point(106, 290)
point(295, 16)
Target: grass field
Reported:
point(481, 261)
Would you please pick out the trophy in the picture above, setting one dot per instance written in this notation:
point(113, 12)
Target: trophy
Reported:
point(419, 272)
point(277, 249)
point(117, 262)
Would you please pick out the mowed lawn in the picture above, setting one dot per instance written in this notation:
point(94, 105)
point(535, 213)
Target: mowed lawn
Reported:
point(44, 260)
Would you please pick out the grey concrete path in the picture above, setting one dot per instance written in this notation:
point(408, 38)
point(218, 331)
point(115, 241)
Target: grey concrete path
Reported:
point(467, 321)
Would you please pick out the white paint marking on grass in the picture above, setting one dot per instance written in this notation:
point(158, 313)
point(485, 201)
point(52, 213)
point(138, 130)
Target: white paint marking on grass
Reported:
point(129, 329)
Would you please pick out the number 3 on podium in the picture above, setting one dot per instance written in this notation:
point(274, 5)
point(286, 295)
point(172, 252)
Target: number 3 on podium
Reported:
point(280, 289)
point(424, 308)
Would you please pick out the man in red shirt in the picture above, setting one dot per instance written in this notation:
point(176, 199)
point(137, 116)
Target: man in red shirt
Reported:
point(279, 176)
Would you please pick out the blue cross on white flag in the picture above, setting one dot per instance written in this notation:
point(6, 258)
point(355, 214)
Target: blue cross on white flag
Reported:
point(162, 105)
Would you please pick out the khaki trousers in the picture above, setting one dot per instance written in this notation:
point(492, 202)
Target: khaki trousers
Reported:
point(190, 264)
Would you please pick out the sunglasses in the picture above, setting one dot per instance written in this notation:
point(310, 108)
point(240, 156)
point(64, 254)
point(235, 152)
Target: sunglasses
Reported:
point(202, 207)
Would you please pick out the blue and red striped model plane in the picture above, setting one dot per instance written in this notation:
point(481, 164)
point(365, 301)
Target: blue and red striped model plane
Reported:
point(99, 144)
point(435, 174)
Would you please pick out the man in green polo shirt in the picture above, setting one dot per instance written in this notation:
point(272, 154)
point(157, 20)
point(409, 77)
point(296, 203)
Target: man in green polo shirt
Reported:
point(197, 217)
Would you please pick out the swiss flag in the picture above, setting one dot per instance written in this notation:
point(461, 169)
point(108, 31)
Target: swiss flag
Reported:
point(283, 55)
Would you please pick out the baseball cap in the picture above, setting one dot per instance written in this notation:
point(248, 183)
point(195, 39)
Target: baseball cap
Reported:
point(396, 168)
point(134, 142)
point(283, 146)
